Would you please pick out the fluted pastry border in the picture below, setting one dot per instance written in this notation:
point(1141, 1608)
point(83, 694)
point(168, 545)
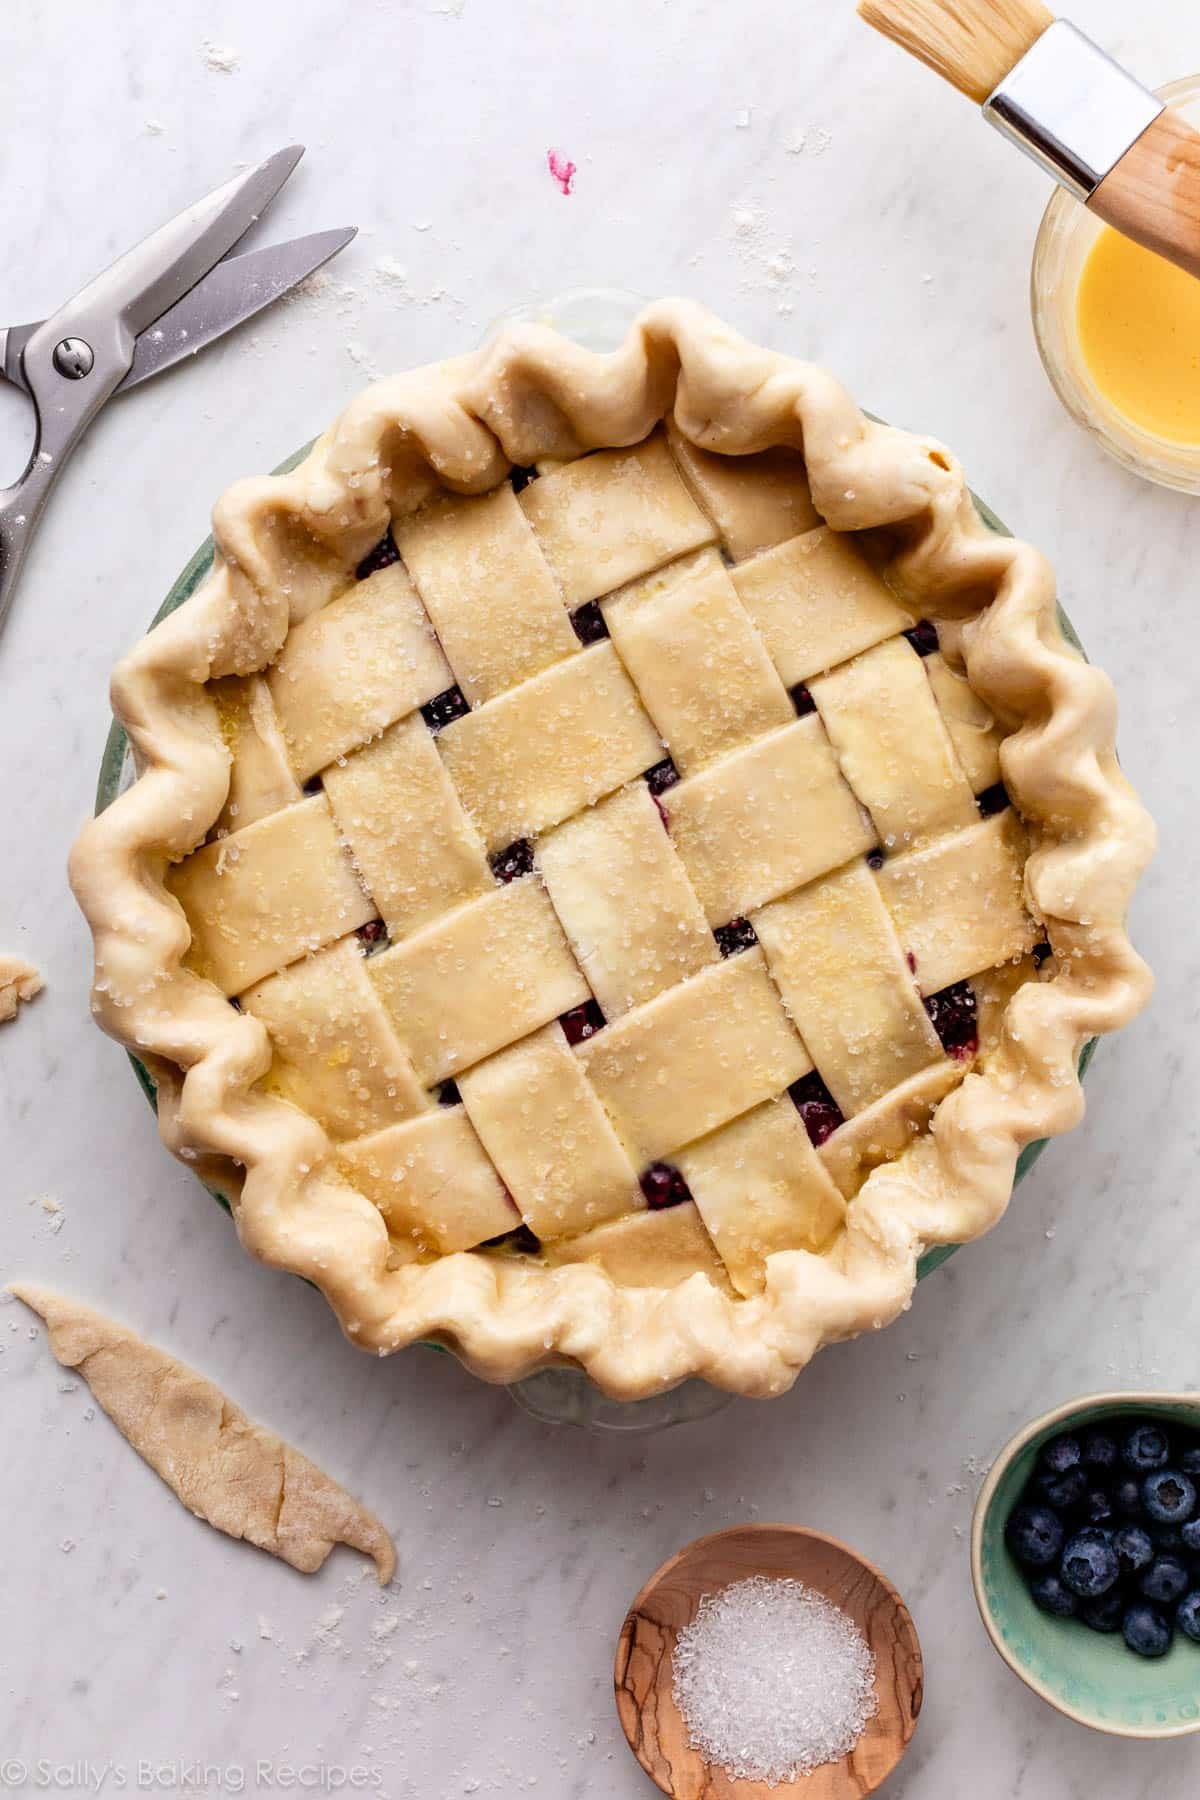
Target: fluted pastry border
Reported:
point(527, 395)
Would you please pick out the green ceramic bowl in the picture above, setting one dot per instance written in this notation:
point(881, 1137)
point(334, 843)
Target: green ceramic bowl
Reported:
point(1092, 1679)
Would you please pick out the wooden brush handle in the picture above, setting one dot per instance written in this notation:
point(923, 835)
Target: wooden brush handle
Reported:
point(1153, 194)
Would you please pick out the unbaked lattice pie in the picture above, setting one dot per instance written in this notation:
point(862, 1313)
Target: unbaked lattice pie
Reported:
point(623, 860)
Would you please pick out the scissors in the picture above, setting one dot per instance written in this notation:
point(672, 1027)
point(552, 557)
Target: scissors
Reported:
point(177, 291)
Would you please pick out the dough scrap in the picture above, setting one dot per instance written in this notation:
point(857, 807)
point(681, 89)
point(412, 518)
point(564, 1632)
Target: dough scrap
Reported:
point(19, 981)
point(230, 1472)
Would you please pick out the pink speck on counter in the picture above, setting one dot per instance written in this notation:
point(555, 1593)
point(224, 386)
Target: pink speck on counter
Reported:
point(562, 170)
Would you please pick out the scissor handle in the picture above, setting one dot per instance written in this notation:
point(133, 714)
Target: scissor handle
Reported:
point(69, 380)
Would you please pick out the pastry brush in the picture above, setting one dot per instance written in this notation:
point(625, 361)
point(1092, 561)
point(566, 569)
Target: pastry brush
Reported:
point(1068, 105)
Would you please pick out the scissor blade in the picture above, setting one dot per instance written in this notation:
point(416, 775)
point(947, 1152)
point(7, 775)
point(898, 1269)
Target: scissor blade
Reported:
point(142, 284)
point(234, 291)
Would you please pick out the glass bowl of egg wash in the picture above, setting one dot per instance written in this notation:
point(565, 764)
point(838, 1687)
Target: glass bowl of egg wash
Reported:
point(1119, 332)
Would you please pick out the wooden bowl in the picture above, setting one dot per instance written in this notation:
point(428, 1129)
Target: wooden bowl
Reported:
point(669, 1601)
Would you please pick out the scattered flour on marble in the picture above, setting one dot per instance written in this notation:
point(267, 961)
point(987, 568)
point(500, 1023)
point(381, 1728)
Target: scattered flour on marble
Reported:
point(766, 258)
point(153, 127)
point(363, 359)
point(222, 59)
point(331, 293)
point(808, 140)
point(53, 1208)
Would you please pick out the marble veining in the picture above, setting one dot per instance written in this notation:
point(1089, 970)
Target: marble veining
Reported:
point(830, 198)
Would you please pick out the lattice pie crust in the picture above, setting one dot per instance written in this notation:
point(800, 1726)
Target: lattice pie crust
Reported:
point(578, 915)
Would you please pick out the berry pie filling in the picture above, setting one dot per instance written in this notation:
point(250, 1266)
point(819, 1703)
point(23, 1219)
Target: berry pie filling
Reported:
point(588, 622)
point(663, 1185)
point(817, 1107)
point(582, 1022)
point(954, 1014)
point(381, 557)
point(739, 934)
point(515, 861)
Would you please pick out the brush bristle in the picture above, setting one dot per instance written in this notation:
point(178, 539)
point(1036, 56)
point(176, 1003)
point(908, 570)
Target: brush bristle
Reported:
point(971, 43)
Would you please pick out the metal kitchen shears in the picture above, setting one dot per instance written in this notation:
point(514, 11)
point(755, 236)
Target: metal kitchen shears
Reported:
point(174, 293)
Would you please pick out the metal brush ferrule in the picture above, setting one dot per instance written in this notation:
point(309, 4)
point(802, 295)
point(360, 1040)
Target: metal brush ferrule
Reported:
point(1071, 108)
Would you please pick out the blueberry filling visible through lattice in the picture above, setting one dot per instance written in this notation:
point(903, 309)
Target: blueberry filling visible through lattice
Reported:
point(582, 1022)
point(381, 557)
point(817, 1107)
point(992, 800)
point(520, 1239)
point(589, 623)
point(923, 637)
point(954, 1014)
point(444, 708)
point(514, 861)
point(661, 776)
point(663, 1186)
point(738, 934)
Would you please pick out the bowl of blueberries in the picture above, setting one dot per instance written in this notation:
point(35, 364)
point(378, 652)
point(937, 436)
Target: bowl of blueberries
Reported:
point(1085, 1554)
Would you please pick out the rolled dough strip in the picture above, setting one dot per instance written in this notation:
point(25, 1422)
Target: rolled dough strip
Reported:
point(227, 1470)
point(19, 981)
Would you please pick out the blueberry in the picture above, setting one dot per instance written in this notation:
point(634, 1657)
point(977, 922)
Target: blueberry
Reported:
point(1062, 1491)
point(1166, 1580)
point(1133, 1547)
point(582, 1022)
point(923, 637)
point(1048, 1592)
point(1189, 1460)
point(1093, 1534)
point(1097, 1507)
point(1146, 1631)
point(1168, 1538)
point(1060, 1454)
point(817, 1107)
point(1099, 1450)
point(1190, 1535)
point(1105, 1612)
point(663, 1185)
point(954, 1015)
point(1034, 1535)
point(514, 862)
point(1145, 1448)
point(1127, 1497)
point(1169, 1496)
point(1089, 1565)
point(1187, 1614)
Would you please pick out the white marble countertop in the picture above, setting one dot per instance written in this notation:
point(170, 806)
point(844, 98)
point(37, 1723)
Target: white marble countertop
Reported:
point(803, 178)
